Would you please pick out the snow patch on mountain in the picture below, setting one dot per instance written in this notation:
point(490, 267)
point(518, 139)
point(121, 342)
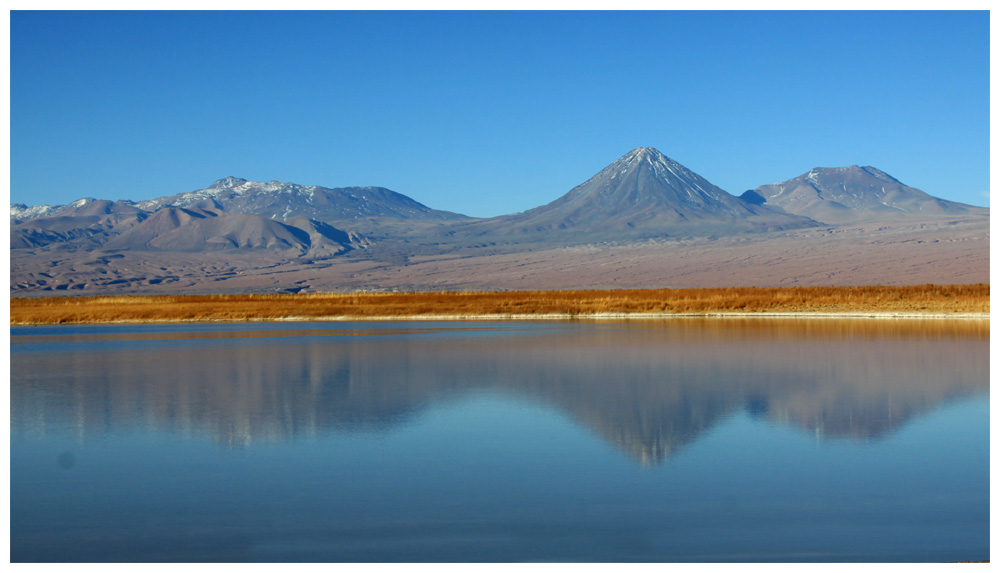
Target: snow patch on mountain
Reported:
point(22, 211)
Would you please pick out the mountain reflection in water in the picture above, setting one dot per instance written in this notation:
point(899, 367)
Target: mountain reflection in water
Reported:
point(647, 387)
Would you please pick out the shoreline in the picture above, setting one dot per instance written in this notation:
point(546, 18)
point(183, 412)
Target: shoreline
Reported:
point(544, 317)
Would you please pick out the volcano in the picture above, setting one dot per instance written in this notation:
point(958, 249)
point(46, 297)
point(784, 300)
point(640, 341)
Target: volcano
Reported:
point(854, 194)
point(644, 193)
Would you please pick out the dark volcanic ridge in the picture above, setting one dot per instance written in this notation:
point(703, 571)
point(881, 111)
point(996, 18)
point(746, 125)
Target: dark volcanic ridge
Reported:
point(643, 198)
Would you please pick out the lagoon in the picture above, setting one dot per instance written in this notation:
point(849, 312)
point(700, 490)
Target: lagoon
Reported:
point(680, 440)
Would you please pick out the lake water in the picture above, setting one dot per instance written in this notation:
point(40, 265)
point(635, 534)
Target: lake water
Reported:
point(677, 440)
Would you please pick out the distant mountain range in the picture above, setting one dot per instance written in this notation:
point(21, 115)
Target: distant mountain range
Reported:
point(643, 196)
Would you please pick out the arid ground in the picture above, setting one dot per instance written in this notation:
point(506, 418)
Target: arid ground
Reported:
point(939, 251)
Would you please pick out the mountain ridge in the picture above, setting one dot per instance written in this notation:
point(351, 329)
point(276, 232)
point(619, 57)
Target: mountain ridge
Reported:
point(853, 193)
point(283, 200)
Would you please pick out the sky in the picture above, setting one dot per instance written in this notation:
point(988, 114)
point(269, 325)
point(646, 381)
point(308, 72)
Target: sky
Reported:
point(489, 113)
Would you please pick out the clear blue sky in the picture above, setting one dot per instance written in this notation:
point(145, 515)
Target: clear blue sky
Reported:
point(486, 113)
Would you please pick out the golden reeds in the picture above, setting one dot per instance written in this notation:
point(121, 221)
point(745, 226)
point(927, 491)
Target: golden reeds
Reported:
point(922, 299)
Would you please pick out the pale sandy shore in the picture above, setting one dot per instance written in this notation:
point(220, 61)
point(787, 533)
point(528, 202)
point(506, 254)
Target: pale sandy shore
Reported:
point(567, 317)
point(647, 316)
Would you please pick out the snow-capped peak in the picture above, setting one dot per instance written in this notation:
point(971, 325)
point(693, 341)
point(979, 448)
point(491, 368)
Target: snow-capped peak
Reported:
point(650, 154)
point(227, 183)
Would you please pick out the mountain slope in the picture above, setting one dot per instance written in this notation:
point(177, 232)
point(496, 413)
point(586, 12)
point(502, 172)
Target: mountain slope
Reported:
point(85, 231)
point(853, 194)
point(79, 224)
point(175, 229)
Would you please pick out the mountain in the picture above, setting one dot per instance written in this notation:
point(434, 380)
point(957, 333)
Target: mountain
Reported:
point(86, 223)
point(88, 206)
point(367, 210)
point(283, 201)
point(232, 213)
point(644, 193)
point(849, 194)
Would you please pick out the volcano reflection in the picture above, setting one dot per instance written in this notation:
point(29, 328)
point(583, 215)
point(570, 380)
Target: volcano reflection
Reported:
point(649, 388)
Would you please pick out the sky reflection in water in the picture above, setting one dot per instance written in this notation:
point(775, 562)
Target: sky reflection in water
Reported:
point(683, 440)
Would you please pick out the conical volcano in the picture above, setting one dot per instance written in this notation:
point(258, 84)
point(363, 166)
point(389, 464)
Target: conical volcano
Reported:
point(645, 193)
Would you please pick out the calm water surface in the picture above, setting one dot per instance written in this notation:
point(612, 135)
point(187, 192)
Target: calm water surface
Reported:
point(686, 440)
